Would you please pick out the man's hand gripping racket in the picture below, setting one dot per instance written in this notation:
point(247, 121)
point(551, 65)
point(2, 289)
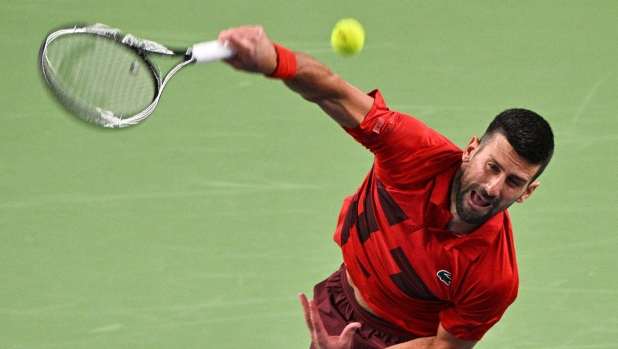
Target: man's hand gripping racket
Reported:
point(255, 51)
point(108, 78)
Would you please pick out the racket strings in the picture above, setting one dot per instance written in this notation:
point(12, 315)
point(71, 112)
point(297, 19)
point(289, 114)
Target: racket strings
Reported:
point(101, 75)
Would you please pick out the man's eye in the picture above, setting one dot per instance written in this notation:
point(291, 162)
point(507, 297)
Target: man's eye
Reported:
point(514, 183)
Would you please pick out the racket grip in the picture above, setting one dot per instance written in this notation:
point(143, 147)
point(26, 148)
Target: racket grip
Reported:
point(209, 51)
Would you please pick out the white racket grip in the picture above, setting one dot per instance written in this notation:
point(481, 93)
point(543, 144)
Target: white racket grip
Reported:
point(211, 51)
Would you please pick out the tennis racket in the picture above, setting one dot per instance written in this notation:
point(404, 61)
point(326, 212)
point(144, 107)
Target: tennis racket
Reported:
point(107, 77)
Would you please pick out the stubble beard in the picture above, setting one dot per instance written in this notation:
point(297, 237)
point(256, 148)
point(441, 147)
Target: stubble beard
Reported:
point(469, 214)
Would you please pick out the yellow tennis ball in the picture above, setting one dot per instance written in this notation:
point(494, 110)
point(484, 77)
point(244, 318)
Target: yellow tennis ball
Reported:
point(348, 37)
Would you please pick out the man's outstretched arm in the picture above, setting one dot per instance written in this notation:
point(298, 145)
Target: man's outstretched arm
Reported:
point(315, 82)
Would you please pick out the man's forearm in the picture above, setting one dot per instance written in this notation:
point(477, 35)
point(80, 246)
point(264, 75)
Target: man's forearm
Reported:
point(256, 53)
point(315, 82)
point(443, 340)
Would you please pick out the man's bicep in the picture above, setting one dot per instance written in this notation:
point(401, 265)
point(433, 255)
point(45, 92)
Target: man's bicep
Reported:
point(348, 107)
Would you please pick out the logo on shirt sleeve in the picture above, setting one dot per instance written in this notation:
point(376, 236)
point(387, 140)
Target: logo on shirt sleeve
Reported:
point(445, 276)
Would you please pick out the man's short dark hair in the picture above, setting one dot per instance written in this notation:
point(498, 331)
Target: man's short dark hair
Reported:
point(528, 133)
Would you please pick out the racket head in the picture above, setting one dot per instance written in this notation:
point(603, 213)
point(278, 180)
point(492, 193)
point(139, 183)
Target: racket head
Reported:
point(102, 75)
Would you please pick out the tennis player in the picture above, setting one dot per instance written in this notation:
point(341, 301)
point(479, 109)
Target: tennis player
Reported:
point(428, 253)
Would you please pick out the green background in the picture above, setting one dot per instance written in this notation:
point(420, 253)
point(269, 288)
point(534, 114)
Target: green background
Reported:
point(198, 227)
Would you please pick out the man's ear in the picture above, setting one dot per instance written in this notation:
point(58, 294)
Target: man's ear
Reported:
point(471, 149)
point(531, 188)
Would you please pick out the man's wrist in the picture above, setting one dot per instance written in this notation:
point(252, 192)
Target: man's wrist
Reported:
point(286, 64)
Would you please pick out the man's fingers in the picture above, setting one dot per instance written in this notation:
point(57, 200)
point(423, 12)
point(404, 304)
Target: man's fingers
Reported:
point(307, 312)
point(313, 319)
point(345, 339)
point(254, 50)
point(318, 325)
point(319, 335)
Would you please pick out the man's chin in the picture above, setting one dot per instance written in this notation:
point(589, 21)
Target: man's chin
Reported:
point(474, 216)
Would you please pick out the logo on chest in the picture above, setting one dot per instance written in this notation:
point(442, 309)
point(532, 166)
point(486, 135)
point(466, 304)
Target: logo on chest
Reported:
point(445, 276)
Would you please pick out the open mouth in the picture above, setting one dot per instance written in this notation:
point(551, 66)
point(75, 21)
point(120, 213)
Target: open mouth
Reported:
point(478, 201)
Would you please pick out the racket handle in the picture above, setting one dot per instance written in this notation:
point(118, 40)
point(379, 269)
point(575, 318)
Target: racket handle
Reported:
point(209, 51)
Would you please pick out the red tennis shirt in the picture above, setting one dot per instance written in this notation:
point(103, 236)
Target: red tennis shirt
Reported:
point(408, 268)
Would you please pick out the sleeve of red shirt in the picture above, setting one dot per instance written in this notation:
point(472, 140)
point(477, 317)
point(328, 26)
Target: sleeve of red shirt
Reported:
point(399, 142)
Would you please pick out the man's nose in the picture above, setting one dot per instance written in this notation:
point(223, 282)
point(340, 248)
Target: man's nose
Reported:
point(492, 187)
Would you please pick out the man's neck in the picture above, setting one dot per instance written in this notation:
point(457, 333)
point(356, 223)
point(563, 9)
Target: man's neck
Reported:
point(459, 227)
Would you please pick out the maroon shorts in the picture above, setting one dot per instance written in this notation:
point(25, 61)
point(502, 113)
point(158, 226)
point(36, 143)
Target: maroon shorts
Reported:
point(338, 307)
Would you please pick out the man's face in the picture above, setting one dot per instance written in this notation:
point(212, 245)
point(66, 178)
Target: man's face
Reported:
point(493, 177)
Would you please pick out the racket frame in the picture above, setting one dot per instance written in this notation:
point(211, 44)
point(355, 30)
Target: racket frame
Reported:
point(143, 48)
